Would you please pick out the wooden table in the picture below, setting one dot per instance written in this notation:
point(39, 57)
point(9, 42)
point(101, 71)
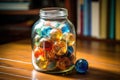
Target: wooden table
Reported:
point(104, 62)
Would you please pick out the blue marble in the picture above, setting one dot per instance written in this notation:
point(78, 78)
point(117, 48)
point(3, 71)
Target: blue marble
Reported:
point(45, 31)
point(70, 50)
point(65, 28)
point(81, 66)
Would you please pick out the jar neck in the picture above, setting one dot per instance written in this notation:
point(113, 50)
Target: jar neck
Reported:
point(53, 13)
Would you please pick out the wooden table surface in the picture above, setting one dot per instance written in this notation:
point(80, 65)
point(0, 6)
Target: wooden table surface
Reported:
point(103, 59)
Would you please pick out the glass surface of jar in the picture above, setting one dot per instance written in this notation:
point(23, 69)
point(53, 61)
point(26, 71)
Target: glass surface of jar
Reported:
point(53, 42)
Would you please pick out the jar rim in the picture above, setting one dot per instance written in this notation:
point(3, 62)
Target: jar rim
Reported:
point(53, 12)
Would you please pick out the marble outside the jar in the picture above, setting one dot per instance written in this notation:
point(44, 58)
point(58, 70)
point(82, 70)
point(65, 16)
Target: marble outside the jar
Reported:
point(81, 66)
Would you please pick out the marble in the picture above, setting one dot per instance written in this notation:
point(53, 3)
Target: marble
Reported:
point(65, 28)
point(69, 38)
point(60, 48)
point(81, 66)
point(45, 44)
point(38, 52)
point(55, 34)
point(55, 24)
point(63, 63)
point(45, 31)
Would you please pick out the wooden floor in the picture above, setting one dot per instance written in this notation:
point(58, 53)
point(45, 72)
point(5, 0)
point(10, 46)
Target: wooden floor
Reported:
point(103, 59)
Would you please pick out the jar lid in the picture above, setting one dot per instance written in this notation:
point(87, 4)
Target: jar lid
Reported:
point(53, 12)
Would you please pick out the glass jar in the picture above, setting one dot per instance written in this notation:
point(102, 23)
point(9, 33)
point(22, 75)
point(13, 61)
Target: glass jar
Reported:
point(53, 42)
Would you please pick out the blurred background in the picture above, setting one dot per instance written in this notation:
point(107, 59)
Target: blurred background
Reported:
point(97, 20)
point(18, 16)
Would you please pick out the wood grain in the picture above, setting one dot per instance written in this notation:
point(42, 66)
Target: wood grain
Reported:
point(103, 58)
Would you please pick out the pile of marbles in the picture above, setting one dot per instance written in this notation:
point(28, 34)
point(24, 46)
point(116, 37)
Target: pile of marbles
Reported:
point(54, 46)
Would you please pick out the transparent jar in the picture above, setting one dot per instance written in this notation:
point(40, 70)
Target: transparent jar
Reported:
point(53, 42)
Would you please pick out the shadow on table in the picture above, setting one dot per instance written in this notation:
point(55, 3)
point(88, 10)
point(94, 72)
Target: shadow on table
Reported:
point(92, 74)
